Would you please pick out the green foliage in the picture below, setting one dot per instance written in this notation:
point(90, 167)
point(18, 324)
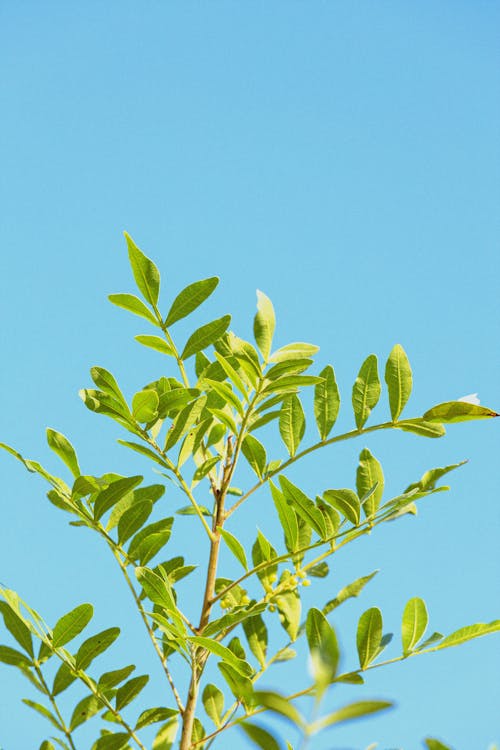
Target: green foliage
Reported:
point(196, 427)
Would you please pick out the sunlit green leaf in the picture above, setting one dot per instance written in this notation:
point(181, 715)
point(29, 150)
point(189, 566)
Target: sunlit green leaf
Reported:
point(213, 702)
point(232, 374)
point(84, 710)
point(351, 590)
point(241, 666)
point(466, 634)
point(150, 540)
point(349, 712)
point(288, 367)
point(263, 551)
point(264, 324)
point(145, 405)
point(146, 274)
point(94, 646)
point(133, 518)
point(255, 454)
point(292, 423)
point(369, 473)
point(235, 546)
point(112, 494)
point(153, 715)
point(433, 744)
point(326, 402)
point(422, 428)
point(278, 704)
point(297, 350)
point(205, 336)
point(156, 343)
point(346, 501)
point(113, 741)
point(289, 610)
point(457, 411)
point(287, 518)
point(256, 633)
point(431, 477)
point(369, 636)
point(323, 647)
point(130, 690)
point(240, 686)
point(107, 383)
point(303, 506)
point(398, 377)
point(190, 298)
point(225, 391)
point(14, 658)
point(63, 448)
point(71, 624)
point(110, 679)
point(414, 624)
point(260, 736)
point(17, 628)
point(183, 422)
point(166, 736)
point(134, 305)
point(366, 390)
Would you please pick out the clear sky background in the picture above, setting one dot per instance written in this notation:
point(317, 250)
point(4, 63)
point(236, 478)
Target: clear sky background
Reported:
point(344, 158)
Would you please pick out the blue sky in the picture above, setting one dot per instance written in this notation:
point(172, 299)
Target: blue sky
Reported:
point(344, 158)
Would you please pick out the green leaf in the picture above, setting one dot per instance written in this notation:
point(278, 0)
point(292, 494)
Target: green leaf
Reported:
point(433, 744)
point(226, 419)
point(113, 493)
point(326, 402)
point(130, 690)
point(289, 610)
point(84, 710)
point(323, 647)
point(278, 704)
point(366, 391)
point(71, 624)
point(369, 636)
point(177, 398)
point(225, 391)
point(63, 448)
point(46, 745)
point(260, 736)
point(156, 588)
point(292, 423)
point(133, 519)
point(369, 473)
point(166, 736)
point(304, 506)
point(288, 367)
point(63, 678)
point(264, 324)
point(398, 377)
point(414, 624)
point(183, 422)
point(107, 383)
point(153, 715)
point(213, 702)
point(431, 477)
point(205, 336)
point(235, 546)
point(255, 454)
point(190, 298)
point(205, 468)
point(156, 343)
point(146, 274)
point(44, 712)
point(150, 540)
point(349, 712)
point(240, 686)
point(347, 502)
point(422, 428)
point(110, 679)
point(263, 551)
point(297, 350)
point(466, 634)
point(145, 405)
point(134, 305)
point(138, 448)
point(287, 517)
point(94, 646)
point(232, 374)
point(457, 411)
point(256, 633)
point(289, 383)
point(17, 628)
point(241, 666)
point(348, 592)
point(14, 658)
point(113, 741)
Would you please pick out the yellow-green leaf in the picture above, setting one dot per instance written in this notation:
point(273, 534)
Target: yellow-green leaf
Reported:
point(398, 377)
